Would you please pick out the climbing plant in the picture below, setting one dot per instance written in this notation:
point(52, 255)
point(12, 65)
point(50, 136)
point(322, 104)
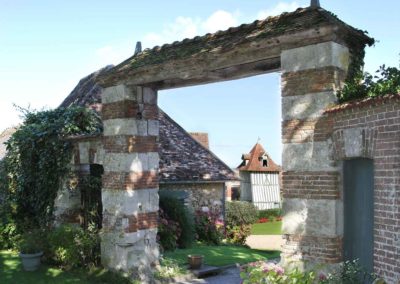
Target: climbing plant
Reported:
point(38, 159)
point(386, 81)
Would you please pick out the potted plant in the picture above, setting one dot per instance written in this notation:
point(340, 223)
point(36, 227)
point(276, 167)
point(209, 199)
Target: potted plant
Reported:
point(31, 249)
point(195, 261)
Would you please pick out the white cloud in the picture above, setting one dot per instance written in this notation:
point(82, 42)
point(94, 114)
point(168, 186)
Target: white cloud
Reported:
point(280, 8)
point(182, 27)
point(220, 20)
point(112, 54)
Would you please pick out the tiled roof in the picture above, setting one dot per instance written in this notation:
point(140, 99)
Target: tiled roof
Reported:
point(182, 158)
point(251, 162)
point(362, 103)
point(286, 23)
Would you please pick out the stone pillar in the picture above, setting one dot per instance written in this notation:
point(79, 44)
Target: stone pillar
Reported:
point(130, 179)
point(313, 214)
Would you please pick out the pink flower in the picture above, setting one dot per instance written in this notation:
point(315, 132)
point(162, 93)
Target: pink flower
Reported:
point(322, 276)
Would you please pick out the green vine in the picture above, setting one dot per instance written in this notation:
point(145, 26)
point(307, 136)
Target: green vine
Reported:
point(364, 85)
point(38, 159)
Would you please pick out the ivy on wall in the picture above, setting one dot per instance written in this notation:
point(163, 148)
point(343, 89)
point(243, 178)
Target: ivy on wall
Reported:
point(386, 81)
point(38, 159)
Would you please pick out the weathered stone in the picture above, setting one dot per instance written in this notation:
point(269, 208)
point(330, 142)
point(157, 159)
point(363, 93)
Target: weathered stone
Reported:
point(315, 56)
point(118, 93)
point(311, 156)
point(130, 201)
point(307, 106)
point(310, 217)
point(132, 162)
point(119, 126)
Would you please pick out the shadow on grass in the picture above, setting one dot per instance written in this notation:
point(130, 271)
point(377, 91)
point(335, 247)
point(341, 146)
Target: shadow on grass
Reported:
point(221, 255)
point(11, 272)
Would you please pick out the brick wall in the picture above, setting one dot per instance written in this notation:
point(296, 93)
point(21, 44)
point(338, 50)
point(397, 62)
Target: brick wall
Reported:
point(378, 123)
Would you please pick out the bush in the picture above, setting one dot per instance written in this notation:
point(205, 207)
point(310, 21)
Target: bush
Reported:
point(237, 234)
point(169, 231)
point(240, 213)
point(70, 246)
point(175, 210)
point(209, 228)
point(270, 213)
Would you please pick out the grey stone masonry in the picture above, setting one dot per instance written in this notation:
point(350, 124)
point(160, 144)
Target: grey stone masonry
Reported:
point(312, 221)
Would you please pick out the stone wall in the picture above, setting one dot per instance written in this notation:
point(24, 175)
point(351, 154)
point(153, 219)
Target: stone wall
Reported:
point(130, 179)
point(371, 129)
point(209, 195)
point(311, 205)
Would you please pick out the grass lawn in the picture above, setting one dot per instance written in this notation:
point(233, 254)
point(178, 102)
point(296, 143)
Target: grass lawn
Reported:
point(221, 255)
point(269, 228)
point(11, 272)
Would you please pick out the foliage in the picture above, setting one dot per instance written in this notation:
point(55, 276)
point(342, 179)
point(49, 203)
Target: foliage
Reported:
point(386, 81)
point(221, 255)
point(178, 212)
point(269, 213)
point(262, 272)
point(11, 272)
point(91, 201)
point(237, 234)
point(168, 268)
point(350, 272)
point(240, 213)
point(38, 159)
point(70, 246)
point(32, 241)
point(168, 231)
point(209, 228)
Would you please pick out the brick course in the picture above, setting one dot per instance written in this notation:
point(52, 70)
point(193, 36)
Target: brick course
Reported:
point(130, 181)
point(312, 81)
point(311, 185)
point(130, 144)
point(301, 131)
point(320, 249)
point(129, 109)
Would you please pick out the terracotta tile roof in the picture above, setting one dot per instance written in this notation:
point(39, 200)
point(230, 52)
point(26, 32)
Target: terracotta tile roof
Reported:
point(182, 158)
point(362, 103)
point(253, 162)
point(287, 23)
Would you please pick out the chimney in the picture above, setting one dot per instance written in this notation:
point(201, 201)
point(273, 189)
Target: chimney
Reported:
point(201, 137)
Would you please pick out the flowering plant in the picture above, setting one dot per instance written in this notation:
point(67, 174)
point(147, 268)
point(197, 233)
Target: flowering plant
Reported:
point(209, 228)
point(269, 273)
point(263, 220)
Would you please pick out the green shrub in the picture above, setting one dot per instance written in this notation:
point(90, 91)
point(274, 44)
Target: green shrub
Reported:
point(237, 234)
point(209, 229)
point(70, 246)
point(179, 213)
point(269, 213)
point(168, 233)
point(240, 213)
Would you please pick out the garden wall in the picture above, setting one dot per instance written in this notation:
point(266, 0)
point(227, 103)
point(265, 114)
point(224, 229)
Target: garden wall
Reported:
point(371, 129)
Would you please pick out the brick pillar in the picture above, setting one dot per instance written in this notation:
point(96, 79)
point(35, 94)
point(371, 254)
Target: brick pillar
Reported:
point(130, 179)
point(313, 212)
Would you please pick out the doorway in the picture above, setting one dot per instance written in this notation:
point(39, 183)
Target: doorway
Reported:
point(358, 200)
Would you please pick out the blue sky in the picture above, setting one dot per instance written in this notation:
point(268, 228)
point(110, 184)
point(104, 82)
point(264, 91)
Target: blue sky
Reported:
point(47, 46)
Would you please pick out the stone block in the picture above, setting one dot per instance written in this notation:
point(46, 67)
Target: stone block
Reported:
point(84, 152)
point(149, 96)
point(120, 126)
point(353, 142)
point(118, 93)
point(310, 156)
point(310, 217)
point(130, 202)
point(132, 162)
point(308, 106)
point(153, 127)
point(315, 56)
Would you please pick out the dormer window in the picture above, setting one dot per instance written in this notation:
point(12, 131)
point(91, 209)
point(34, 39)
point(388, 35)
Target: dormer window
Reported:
point(264, 160)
